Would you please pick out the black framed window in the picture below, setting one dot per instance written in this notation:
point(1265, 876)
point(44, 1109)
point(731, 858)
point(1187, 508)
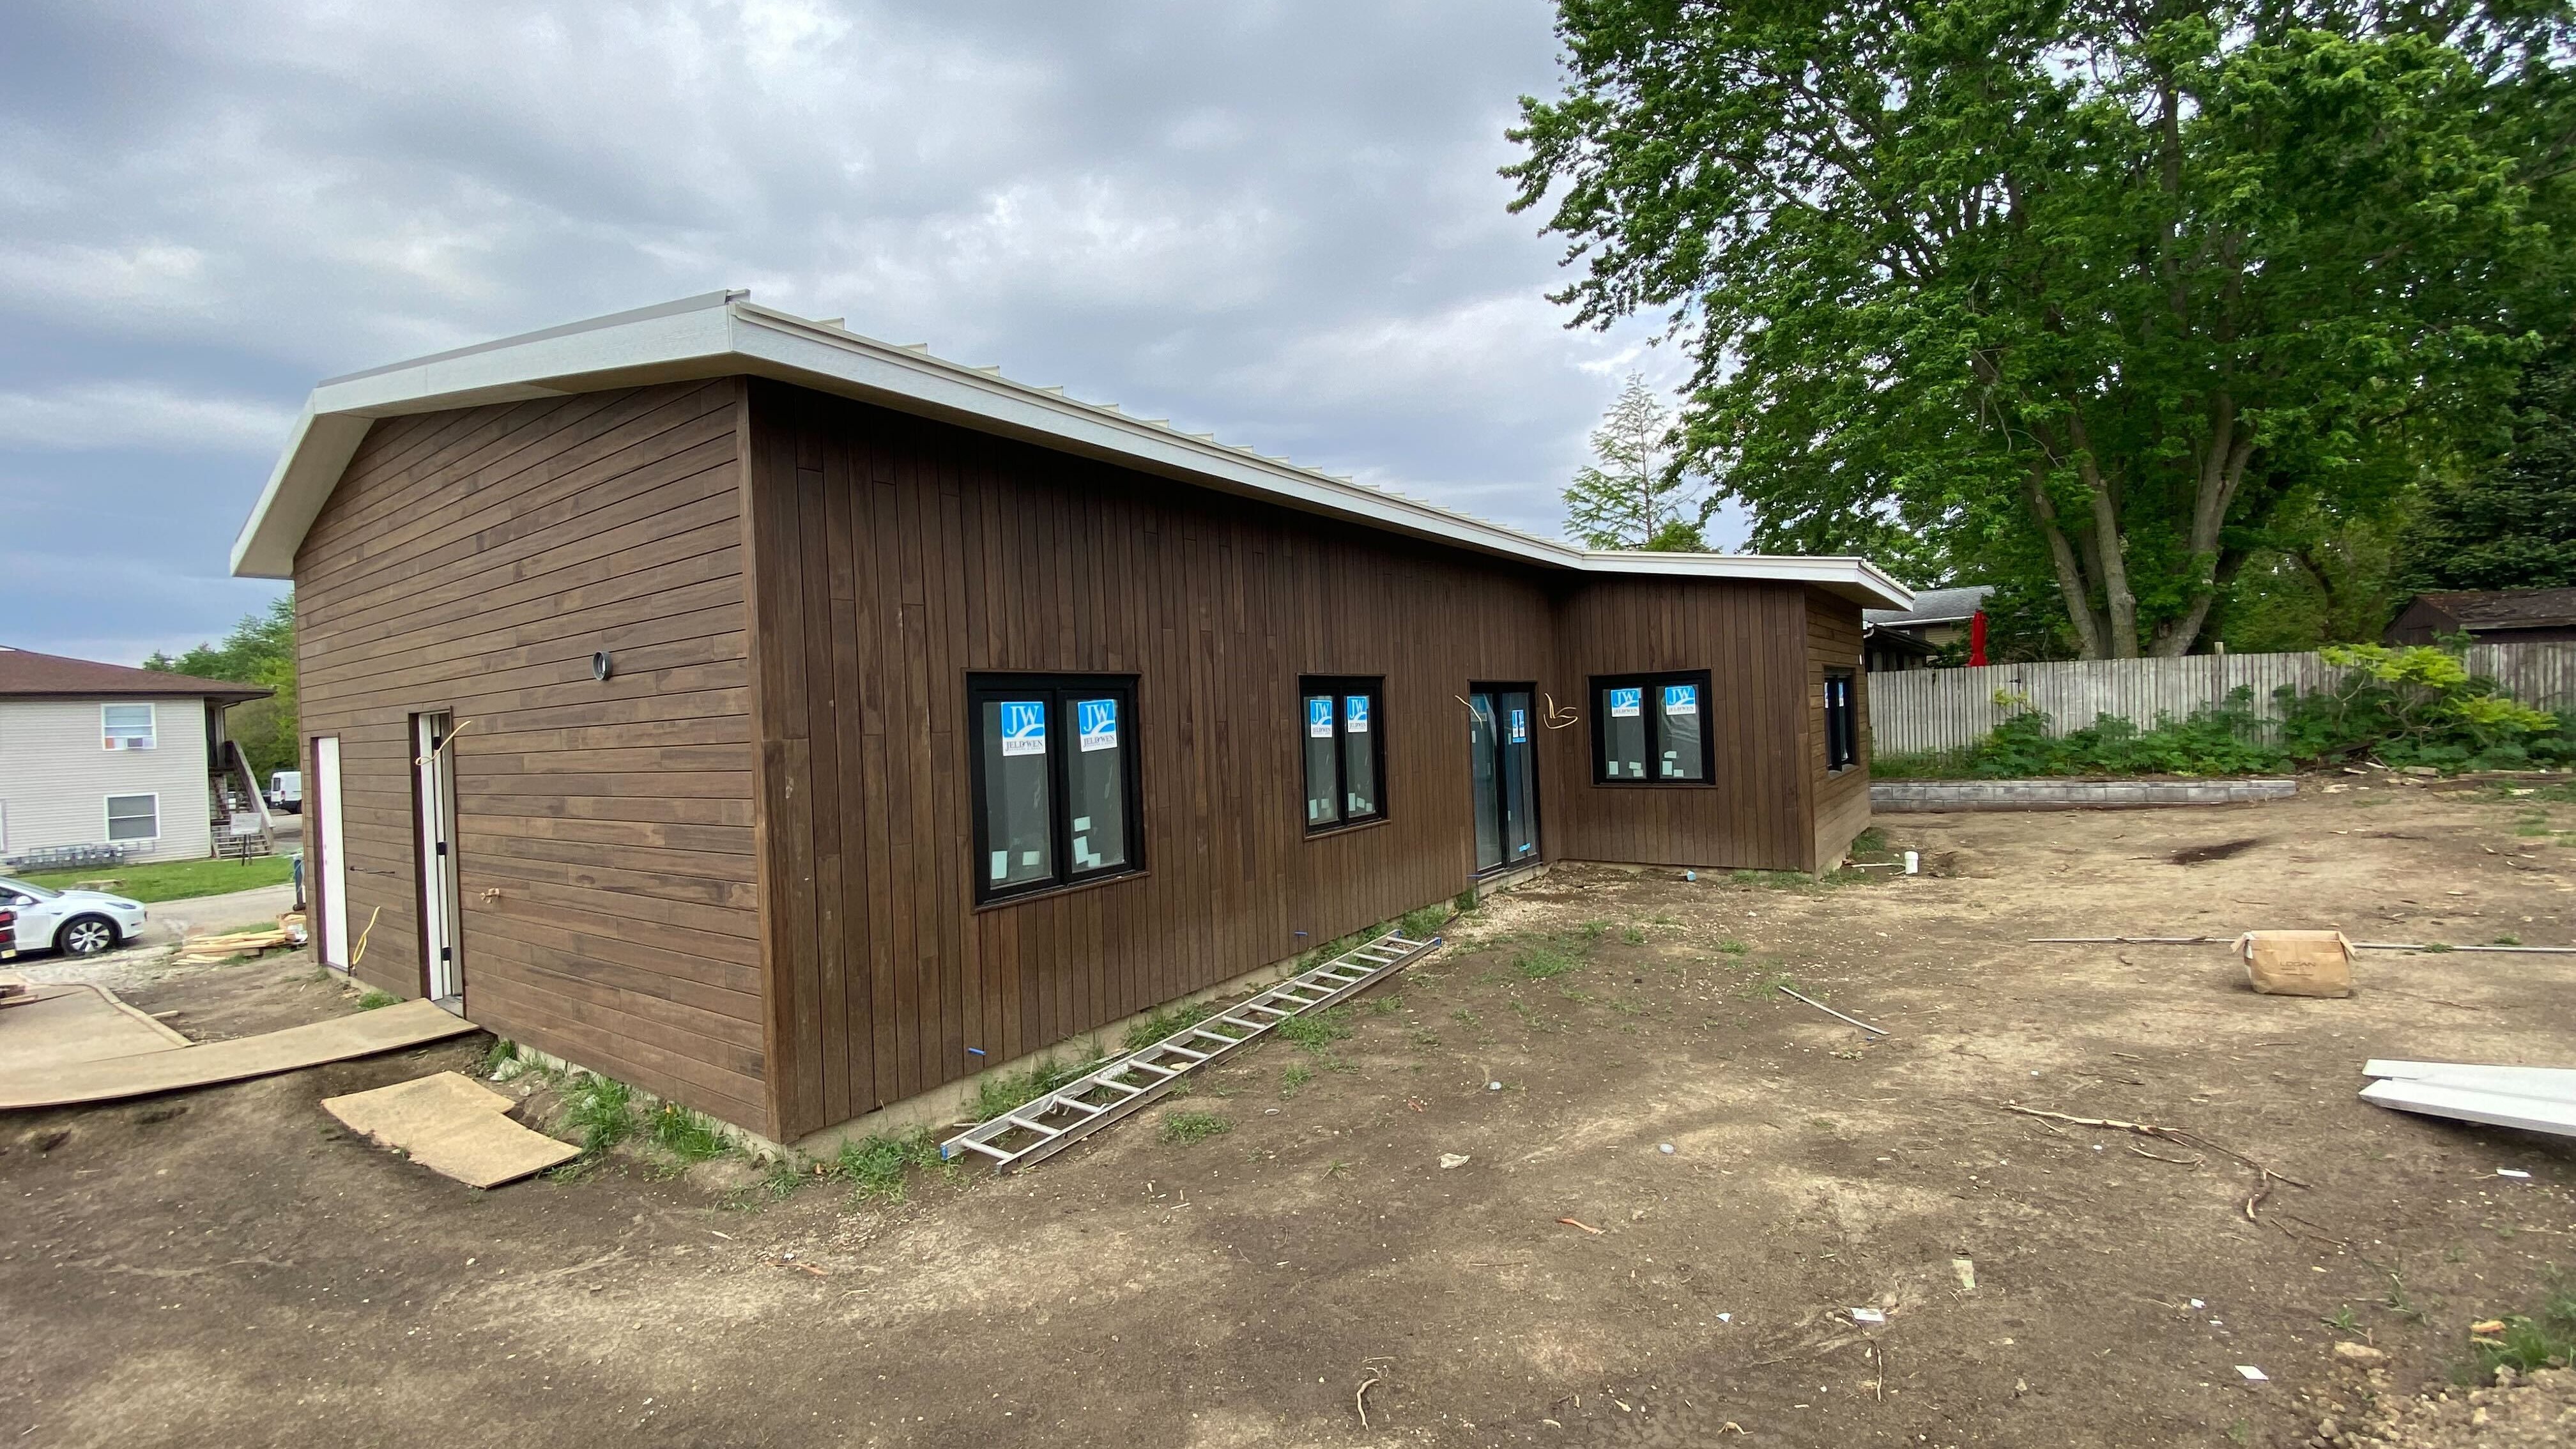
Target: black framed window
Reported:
point(1056, 799)
point(1842, 732)
point(1345, 750)
point(1651, 729)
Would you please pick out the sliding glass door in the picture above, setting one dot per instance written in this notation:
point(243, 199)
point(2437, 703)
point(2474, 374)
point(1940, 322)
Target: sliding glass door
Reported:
point(1503, 769)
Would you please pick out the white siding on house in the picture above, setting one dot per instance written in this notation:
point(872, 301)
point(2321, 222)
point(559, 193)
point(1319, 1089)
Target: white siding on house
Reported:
point(55, 779)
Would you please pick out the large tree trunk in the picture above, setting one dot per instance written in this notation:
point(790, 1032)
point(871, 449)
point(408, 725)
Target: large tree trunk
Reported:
point(2223, 457)
point(2070, 572)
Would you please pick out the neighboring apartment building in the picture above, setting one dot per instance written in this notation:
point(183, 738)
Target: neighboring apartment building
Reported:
point(100, 754)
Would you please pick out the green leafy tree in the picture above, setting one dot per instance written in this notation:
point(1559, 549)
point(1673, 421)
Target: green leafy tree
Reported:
point(1632, 497)
point(2512, 525)
point(260, 650)
point(2067, 289)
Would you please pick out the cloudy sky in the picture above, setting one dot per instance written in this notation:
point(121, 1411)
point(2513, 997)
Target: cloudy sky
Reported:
point(1280, 222)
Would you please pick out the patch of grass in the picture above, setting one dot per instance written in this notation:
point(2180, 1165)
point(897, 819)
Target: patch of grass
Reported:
point(1465, 1018)
point(1183, 1128)
point(1733, 947)
point(1541, 962)
point(2508, 941)
point(1162, 1023)
point(1872, 841)
point(686, 1135)
point(1632, 936)
point(1000, 1093)
point(378, 1000)
point(1424, 1036)
point(601, 1109)
point(1387, 1005)
point(1780, 880)
point(1595, 930)
point(174, 880)
point(1766, 985)
point(783, 1178)
point(1464, 901)
point(2546, 1339)
point(2344, 1321)
point(876, 1166)
point(1419, 925)
point(1316, 1031)
point(503, 1052)
point(1297, 1075)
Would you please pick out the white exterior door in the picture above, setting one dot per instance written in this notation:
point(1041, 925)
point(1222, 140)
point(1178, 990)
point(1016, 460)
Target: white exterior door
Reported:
point(329, 852)
point(433, 764)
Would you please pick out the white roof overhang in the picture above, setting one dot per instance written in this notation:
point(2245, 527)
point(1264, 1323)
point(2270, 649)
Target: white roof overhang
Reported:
point(723, 334)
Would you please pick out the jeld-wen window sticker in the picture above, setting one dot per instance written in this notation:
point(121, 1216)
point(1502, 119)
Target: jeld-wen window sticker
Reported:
point(1627, 703)
point(1099, 726)
point(1023, 727)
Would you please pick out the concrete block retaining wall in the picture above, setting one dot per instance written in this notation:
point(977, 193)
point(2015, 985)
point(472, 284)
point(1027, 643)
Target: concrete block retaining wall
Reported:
point(1900, 796)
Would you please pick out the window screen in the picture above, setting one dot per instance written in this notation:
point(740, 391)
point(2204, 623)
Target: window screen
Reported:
point(1345, 750)
point(133, 817)
point(126, 727)
point(1055, 780)
point(1651, 729)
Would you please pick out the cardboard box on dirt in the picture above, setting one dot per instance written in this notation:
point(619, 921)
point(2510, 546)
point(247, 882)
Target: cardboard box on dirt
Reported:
point(2297, 963)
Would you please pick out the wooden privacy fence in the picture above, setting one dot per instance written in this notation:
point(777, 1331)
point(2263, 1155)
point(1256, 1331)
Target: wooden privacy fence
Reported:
point(1941, 709)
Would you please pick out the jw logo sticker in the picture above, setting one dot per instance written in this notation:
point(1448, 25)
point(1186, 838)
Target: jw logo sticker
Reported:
point(1681, 699)
point(1319, 717)
point(1627, 703)
point(1520, 726)
point(1023, 727)
point(1355, 713)
point(1099, 724)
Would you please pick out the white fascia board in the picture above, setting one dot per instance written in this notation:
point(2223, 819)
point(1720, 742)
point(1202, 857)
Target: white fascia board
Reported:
point(719, 334)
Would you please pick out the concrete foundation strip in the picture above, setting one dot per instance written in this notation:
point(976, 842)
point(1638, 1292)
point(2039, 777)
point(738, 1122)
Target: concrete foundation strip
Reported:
point(1899, 796)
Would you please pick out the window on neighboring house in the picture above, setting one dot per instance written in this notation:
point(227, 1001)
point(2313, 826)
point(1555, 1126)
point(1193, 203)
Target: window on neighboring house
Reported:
point(133, 817)
point(1651, 729)
point(1055, 780)
point(1345, 751)
point(126, 727)
point(1842, 737)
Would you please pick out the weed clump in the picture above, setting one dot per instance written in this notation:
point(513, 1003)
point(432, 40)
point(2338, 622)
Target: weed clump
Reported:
point(1183, 1128)
point(1541, 962)
point(1004, 1091)
point(686, 1135)
point(378, 1000)
point(876, 1166)
point(602, 1110)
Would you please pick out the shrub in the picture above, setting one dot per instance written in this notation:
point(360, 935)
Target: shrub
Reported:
point(2419, 705)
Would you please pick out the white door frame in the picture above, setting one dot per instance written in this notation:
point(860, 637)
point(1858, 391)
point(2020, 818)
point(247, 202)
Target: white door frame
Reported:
point(324, 814)
point(434, 779)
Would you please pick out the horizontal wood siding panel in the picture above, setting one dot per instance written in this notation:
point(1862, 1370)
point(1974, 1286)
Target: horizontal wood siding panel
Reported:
point(473, 561)
point(1842, 796)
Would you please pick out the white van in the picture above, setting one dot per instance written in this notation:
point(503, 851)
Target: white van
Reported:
point(286, 792)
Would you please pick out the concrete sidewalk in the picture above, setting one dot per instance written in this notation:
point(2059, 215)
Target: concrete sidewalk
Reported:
point(172, 920)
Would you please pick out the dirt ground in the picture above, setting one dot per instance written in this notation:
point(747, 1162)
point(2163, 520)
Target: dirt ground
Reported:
point(228, 1267)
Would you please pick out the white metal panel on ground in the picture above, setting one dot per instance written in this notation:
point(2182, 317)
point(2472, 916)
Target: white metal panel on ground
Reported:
point(1942, 709)
point(2558, 1083)
point(2469, 1104)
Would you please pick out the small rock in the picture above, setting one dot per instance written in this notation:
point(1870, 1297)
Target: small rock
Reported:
point(2358, 1352)
point(1665, 1148)
point(1452, 1159)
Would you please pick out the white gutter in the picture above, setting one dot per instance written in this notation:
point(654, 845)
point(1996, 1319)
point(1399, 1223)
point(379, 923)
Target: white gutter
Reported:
point(722, 333)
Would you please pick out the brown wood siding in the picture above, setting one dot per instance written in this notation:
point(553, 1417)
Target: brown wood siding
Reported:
point(472, 561)
point(1842, 796)
point(1750, 638)
point(893, 556)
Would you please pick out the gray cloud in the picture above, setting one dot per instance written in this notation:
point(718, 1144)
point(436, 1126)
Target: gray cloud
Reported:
point(1280, 222)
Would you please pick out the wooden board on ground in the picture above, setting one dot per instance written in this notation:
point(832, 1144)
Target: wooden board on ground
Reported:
point(73, 1022)
point(453, 1127)
point(413, 1023)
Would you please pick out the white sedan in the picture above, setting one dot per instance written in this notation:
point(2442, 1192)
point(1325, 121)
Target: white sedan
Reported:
point(76, 923)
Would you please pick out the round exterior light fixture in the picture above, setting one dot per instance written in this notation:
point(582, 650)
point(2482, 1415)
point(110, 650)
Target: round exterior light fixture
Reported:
point(601, 666)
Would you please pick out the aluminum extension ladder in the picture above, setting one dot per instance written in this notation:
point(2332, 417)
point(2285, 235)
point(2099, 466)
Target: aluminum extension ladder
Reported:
point(1041, 1128)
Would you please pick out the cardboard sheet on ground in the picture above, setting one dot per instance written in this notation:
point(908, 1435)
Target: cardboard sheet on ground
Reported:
point(73, 1022)
point(413, 1023)
point(453, 1127)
